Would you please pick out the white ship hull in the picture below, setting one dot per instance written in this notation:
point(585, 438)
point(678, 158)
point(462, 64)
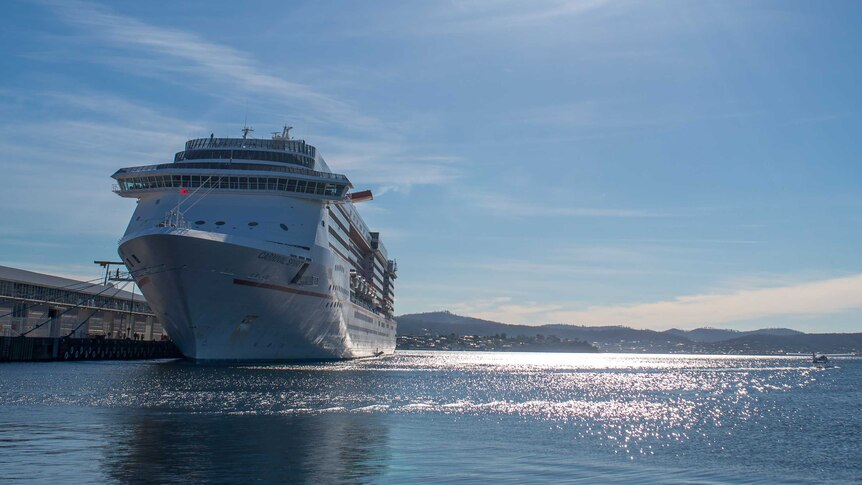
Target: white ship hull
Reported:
point(224, 298)
point(253, 250)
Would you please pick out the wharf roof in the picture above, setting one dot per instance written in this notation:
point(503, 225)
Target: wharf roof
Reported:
point(16, 275)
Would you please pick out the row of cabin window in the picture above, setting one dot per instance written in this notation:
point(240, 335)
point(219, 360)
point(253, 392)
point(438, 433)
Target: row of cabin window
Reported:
point(243, 166)
point(295, 146)
point(237, 183)
point(260, 155)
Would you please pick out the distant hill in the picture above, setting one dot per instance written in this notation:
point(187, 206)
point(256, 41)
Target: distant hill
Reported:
point(720, 334)
point(799, 342)
point(625, 339)
point(608, 339)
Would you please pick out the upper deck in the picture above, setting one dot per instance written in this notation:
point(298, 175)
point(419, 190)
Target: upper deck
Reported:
point(299, 147)
point(278, 149)
point(280, 164)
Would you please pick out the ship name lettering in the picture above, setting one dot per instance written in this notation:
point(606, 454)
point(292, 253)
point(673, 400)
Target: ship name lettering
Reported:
point(279, 258)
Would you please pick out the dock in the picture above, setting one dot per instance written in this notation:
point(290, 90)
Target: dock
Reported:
point(46, 318)
point(48, 349)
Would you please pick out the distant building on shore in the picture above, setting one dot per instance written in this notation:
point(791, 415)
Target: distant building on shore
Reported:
point(42, 305)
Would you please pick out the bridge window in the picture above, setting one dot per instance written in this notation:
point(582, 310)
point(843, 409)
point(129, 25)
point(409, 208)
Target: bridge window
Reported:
point(235, 183)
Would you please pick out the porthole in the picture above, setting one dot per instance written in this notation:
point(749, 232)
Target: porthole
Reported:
point(157, 201)
point(200, 223)
point(252, 224)
point(219, 223)
point(283, 227)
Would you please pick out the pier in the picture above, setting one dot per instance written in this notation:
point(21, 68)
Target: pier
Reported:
point(48, 318)
point(47, 349)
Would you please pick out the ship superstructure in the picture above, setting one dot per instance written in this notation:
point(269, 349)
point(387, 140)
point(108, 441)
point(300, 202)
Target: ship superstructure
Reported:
point(252, 249)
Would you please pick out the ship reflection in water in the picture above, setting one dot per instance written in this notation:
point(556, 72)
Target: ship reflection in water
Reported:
point(488, 417)
point(171, 448)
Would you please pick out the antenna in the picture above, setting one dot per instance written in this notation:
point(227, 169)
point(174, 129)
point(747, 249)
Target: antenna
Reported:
point(245, 128)
point(284, 135)
point(245, 131)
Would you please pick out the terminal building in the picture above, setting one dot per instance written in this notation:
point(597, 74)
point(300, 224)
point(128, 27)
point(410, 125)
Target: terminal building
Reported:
point(41, 305)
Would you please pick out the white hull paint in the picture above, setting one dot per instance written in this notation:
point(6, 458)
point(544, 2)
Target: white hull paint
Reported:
point(214, 303)
point(252, 250)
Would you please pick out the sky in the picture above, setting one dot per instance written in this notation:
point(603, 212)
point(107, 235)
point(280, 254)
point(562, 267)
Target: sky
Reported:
point(650, 164)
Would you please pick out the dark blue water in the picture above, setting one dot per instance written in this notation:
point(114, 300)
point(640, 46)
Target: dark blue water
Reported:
point(444, 416)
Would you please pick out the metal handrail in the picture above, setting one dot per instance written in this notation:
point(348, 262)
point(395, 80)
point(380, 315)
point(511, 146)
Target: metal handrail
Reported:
point(297, 146)
point(231, 166)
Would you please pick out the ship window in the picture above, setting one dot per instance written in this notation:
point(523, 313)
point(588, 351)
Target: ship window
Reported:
point(219, 223)
point(283, 227)
point(157, 201)
point(234, 182)
point(243, 183)
point(309, 189)
point(273, 184)
point(320, 189)
point(252, 224)
point(281, 184)
point(200, 223)
point(291, 186)
point(300, 185)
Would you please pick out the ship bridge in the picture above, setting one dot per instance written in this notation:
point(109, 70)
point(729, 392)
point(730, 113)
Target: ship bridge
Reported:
point(294, 152)
point(280, 165)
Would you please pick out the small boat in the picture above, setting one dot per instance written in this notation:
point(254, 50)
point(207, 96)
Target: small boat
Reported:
point(819, 359)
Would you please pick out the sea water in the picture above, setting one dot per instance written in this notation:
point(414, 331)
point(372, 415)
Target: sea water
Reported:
point(488, 417)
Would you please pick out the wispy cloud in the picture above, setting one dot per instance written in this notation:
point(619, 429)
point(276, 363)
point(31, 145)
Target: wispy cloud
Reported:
point(391, 165)
point(378, 154)
point(624, 115)
point(479, 16)
point(183, 52)
point(56, 160)
point(474, 17)
point(501, 308)
point(511, 206)
point(809, 299)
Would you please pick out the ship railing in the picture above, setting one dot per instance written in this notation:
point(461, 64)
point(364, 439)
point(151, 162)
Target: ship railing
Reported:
point(297, 146)
point(231, 166)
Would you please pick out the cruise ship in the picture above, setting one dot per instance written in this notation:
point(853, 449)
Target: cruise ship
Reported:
point(251, 249)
